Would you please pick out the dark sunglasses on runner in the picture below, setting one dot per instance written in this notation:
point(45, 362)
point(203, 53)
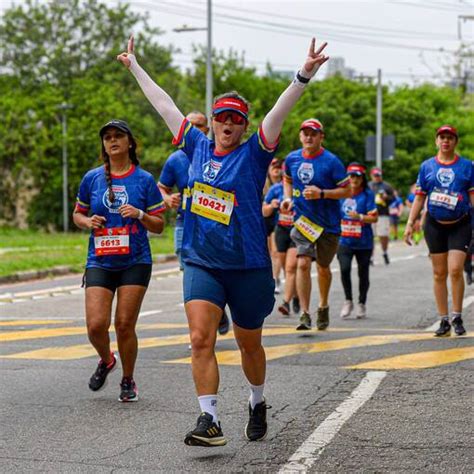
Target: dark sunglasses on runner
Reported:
point(235, 117)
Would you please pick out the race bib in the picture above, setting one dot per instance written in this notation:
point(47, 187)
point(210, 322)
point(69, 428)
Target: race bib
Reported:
point(351, 229)
point(285, 219)
point(441, 198)
point(112, 241)
point(186, 195)
point(212, 203)
point(309, 229)
point(393, 211)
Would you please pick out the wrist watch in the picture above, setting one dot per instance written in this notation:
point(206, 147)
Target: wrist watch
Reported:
point(321, 194)
point(140, 214)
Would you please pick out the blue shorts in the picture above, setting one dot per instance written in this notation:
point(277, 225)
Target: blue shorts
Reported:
point(248, 293)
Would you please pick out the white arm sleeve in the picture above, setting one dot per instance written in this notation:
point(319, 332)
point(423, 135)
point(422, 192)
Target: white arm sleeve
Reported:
point(157, 97)
point(273, 121)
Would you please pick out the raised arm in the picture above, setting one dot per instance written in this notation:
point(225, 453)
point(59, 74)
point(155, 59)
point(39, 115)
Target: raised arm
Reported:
point(273, 121)
point(160, 100)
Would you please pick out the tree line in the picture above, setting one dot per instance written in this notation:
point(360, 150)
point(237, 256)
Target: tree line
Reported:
point(64, 52)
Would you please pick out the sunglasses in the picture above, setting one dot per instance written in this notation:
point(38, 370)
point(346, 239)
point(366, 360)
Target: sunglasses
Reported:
point(354, 175)
point(235, 117)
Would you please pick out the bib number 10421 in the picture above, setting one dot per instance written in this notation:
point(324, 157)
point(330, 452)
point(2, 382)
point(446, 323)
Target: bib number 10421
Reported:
point(212, 203)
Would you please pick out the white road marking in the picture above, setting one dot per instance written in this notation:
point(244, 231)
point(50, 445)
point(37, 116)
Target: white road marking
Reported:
point(466, 302)
point(307, 454)
point(149, 313)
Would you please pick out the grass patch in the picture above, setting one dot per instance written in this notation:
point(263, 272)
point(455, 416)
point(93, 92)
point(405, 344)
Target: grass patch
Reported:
point(23, 250)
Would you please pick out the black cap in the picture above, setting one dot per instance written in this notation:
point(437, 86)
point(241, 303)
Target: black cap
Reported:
point(119, 124)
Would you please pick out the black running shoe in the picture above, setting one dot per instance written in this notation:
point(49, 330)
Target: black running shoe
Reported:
point(284, 308)
point(256, 428)
point(444, 329)
point(458, 326)
point(296, 305)
point(386, 259)
point(305, 322)
point(128, 390)
point(99, 377)
point(322, 321)
point(207, 433)
point(224, 324)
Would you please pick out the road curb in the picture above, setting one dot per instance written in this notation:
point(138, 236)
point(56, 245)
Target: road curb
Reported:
point(62, 270)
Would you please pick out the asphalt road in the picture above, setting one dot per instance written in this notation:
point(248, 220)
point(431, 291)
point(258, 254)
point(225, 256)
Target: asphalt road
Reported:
point(374, 395)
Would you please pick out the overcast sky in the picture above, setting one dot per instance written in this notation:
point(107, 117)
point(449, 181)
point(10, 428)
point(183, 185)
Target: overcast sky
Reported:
point(409, 40)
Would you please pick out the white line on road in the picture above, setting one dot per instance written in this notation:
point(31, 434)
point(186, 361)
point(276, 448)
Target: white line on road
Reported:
point(307, 454)
point(466, 302)
point(149, 313)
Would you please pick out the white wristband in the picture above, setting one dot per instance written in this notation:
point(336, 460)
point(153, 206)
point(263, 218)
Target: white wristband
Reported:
point(141, 214)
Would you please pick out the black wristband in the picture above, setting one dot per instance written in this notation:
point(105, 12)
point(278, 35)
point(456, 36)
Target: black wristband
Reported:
point(321, 195)
point(300, 78)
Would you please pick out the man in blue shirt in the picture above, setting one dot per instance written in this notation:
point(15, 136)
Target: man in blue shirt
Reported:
point(315, 180)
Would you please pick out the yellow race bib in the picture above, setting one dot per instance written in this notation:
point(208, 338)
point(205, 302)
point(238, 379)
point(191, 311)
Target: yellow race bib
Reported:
point(212, 203)
point(309, 229)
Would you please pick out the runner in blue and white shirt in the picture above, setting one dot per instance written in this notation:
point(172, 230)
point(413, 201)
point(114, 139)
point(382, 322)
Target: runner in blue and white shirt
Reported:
point(446, 181)
point(224, 245)
point(359, 212)
point(119, 203)
point(315, 180)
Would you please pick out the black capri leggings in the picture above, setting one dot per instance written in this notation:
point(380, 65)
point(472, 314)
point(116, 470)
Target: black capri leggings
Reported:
point(344, 255)
point(442, 238)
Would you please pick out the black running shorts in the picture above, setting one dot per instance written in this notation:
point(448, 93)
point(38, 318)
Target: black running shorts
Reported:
point(442, 238)
point(138, 274)
point(282, 238)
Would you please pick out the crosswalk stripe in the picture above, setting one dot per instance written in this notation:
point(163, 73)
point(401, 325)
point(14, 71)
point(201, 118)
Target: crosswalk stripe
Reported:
point(34, 322)
point(419, 360)
point(277, 352)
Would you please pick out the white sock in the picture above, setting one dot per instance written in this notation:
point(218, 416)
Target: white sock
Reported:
point(256, 394)
point(208, 404)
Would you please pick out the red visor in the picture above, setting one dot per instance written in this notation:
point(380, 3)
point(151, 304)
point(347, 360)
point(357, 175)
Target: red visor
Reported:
point(229, 103)
point(447, 129)
point(313, 124)
point(376, 172)
point(356, 169)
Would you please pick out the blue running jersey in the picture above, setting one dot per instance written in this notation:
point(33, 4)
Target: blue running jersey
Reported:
point(175, 173)
point(137, 188)
point(324, 170)
point(447, 187)
point(242, 244)
point(356, 234)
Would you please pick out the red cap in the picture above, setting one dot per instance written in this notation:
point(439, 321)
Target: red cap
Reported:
point(376, 172)
point(230, 103)
point(313, 124)
point(357, 169)
point(447, 129)
point(276, 163)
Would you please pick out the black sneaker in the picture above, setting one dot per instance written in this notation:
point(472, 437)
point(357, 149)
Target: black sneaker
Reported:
point(322, 321)
point(305, 322)
point(207, 433)
point(444, 329)
point(256, 428)
point(224, 324)
point(386, 259)
point(284, 308)
point(458, 326)
point(99, 377)
point(128, 390)
point(296, 305)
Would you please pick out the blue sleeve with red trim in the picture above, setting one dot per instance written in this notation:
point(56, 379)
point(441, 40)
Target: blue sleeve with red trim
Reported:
point(420, 186)
point(167, 176)
point(83, 200)
point(154, 199)
point(261, 151)
point(189, 138)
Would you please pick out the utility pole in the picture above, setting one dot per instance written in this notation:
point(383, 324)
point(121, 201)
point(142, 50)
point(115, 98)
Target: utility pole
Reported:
point(378, 127)
point(63, 108)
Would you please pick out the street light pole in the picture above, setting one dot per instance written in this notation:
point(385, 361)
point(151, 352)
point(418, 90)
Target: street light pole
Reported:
point(64, 107)
point(208, 29)
point(209, 84)
point(378, 126)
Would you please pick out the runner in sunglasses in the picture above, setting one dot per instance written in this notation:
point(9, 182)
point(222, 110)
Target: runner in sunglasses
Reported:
point(224, 248)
